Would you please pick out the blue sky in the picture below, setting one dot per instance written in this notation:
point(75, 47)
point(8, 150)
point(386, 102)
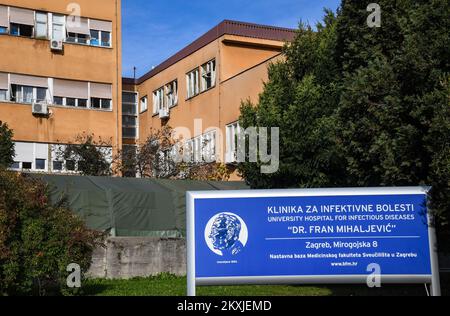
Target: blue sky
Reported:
point(154, 30)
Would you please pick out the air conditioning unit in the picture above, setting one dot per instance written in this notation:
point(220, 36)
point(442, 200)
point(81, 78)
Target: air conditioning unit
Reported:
point(40, 108)
point(56, 45)
point(164, 113)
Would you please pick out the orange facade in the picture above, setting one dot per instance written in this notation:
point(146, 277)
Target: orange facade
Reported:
point(90, 59)
point(241, 62)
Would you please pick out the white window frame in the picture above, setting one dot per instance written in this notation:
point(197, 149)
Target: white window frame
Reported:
point(62, 24)
point(233, 132)
point(143, 104)
point(171, 90)
point(6, 95)
point(37, 22)
point(77, 39)
point(192, 83)
point(34, 98)
point(158, 100)
point(208, 70)
point(109, 40)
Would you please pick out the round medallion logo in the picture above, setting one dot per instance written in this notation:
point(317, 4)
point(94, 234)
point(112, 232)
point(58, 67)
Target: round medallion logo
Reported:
point(226, 234)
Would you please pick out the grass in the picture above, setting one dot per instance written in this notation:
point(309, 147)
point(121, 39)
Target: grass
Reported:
point(168, 285)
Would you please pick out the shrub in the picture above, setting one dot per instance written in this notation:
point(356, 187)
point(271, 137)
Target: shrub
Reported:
point(6, 146)
point(38, 240)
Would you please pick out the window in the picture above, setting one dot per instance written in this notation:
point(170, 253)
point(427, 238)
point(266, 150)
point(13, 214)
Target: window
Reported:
point(209, 147)
point(77, 38)
point(27, 165)
point(41, 94)
point(95, 103)
point(158, 100)
point(21, 30)
point(3, 95)
point(70, 165)
point(106, 39)
point(98, 103)
point(208, 75)
point(58, 100)
point(40, 164)
point(192, 83)
point(3, 30)
point(23, 94)
point(172, 94)
point(233, 131)
point(26, 94)
point(203, 148)
point(82, 103)
point(100, 38)
point(41, 25)
point(57, 166)
point(71, 102)
point(106, 104)
point(95, 38)
point(58, 27)
point(144, 104)
point(15, 165)
point(130, 115)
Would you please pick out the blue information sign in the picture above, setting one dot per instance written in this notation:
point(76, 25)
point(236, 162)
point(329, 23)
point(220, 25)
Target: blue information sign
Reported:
point(309, 236)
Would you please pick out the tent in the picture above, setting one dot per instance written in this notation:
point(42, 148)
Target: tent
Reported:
point(129, 207)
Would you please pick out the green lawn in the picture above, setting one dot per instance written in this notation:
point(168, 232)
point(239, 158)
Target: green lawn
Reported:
point(167, 285)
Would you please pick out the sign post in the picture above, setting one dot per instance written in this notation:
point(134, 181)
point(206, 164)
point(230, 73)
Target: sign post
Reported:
point(311, 236)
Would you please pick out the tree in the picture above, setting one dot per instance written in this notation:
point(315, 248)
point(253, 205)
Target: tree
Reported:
point(92, 157)
point(39, 239)
point(162, 155)
point(7, 152)
point(361, 106)
point(394, 113)
point(300, 98)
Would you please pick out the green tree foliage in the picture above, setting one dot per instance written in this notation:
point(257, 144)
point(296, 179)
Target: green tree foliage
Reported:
point(300, 98)
point(361, 106)
point(89, 154)
point(394, 111)
point(38, 240)
point(6, 146)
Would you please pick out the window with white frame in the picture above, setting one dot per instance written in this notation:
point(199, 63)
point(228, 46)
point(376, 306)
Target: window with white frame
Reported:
point(192, 83)
point(158, 100)
point(101, 103)
point(100, 38)
point(58, 27)
point(208, 75)
point(3, 95)
point(77, 38)
point(172, 93)
point(21, 30)
point(144, 104)
point(71, 102)
point(202, 149)
point(41, 25)
point(233, 132)
point(209, 147)
point(130, 121)
point(27, 94)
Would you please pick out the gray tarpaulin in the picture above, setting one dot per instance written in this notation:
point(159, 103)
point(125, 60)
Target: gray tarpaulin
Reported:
point(131, 207)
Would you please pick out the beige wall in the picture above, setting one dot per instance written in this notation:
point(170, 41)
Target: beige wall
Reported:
point(241, 70)
point(203, 106)
point(78, 62)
